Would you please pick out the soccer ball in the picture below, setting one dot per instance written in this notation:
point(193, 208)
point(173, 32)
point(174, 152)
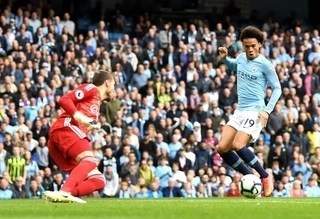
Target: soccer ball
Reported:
point(250, 186)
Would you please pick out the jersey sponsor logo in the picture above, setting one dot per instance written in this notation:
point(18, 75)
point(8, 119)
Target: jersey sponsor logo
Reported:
point(89, 87)
point(79, 94)
point(247, 76)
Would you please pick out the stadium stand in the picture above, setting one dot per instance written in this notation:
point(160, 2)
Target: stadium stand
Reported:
point(158, 138)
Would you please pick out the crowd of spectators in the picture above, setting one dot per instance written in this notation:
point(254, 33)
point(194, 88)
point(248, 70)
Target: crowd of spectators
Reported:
point(159, 137)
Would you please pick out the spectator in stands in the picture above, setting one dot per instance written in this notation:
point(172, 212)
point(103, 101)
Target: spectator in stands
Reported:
point(19, 189)
point(203, 158)
point(108, 160)
point(174, 146)
point(172, 190)
point(154, 190)
point(189, 190)
point(42, 153)
point(163, 172)
point(57, 182)
point(112, 182)
point(312, 189)
point(5, 191)
point(16, 164)
point(32, 168)
point(124, 191)
point(184, 163)
point(178, 175)
point(131, 169)
point(234, 190)
point(47, 178)
point(35, 190)
point(302, 167)
point(296, 191)
point(280, 190)
point(4, 156)
point(146, 173)
point(315, 159)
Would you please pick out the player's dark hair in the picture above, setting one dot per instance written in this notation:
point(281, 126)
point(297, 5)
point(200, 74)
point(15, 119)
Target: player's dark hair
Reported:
point(251, 32)
point(101, 76)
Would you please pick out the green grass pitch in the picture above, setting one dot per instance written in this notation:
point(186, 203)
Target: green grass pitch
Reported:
point(234, 208)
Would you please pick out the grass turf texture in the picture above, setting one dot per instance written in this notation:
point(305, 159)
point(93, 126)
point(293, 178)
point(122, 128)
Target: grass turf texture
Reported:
point(234, 208)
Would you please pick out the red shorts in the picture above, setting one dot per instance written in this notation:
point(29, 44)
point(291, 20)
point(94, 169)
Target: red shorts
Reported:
point(64, 147)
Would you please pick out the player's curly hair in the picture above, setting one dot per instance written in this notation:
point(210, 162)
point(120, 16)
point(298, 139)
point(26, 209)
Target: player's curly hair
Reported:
point(251, 32)
point(101, 76)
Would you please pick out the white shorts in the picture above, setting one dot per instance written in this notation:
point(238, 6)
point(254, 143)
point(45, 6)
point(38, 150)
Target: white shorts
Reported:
point(246, 121)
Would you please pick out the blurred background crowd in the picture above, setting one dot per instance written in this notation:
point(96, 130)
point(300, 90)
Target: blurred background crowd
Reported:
point(159, 137)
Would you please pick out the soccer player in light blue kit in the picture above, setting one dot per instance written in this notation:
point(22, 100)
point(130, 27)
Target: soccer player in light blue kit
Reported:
point(254, 74)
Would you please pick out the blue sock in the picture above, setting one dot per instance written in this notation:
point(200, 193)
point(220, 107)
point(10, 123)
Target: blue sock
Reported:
point(234, 161)
point(250, 158)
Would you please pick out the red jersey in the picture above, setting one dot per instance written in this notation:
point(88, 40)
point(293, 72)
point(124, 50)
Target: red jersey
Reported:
point(85, 99)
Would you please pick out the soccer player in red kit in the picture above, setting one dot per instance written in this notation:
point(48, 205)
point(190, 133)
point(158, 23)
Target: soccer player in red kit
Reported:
point(69, 146)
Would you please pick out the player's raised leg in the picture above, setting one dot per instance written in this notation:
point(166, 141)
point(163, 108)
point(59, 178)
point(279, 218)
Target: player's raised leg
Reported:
point(239, 144)
point(226, 152)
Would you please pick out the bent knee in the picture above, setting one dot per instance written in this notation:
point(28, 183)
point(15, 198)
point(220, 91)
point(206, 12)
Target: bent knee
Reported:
point(223, 148)
point(101, 181)
point(87, 156)
point(237, 145)
point(98, 177)
point(94, 172)
point(93, 160)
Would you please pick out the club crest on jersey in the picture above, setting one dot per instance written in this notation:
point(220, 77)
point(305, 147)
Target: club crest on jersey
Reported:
point(79, 94)
point(94, 109)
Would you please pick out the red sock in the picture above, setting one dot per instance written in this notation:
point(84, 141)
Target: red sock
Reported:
point(79, 173)
point(93, 183)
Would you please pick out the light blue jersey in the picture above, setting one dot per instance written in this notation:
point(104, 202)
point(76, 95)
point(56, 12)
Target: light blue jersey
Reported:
point(253, 76)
